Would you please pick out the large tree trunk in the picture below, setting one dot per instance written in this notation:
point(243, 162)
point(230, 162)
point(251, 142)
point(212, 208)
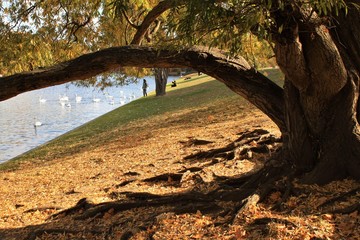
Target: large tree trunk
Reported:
point(161, 76)
point(321, 99)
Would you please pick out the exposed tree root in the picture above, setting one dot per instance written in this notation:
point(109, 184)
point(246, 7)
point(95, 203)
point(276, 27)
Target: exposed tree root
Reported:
point(342, 196)
point(81, 204)
point(347, 210)
point(238, 193)
point(130, 173)
point(167, 177)
point(257, 141)
point(251, 192)
point(191, 199)
point(233, 181)
point(288, 190)
point(212, 153)
point(195, 142)
point(174, 178)
point(124, 183)
point(228, 198)
point(266, 220)
point(227, 201)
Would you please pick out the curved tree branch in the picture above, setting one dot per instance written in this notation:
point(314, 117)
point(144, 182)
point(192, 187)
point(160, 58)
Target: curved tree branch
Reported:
point(77, 26)
point(236, 73)
point(150, 33)
point(152, 16)
point(128, 20)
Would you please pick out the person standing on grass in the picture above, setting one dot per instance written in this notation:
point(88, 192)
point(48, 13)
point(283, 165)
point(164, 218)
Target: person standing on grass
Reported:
point(144, 87)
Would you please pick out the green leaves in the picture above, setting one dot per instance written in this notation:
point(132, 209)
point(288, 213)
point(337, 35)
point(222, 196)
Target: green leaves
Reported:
point(62, 29)
point(326, 7)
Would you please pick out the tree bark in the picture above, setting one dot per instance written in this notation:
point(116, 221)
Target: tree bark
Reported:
point(161, 76)
point(151, 17)
point(321, 99)
point(297, 142)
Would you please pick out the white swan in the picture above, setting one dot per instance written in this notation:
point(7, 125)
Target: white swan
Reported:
point(42, 100)
point(78, 98)
point(96, 100)
point(63, 98)
point(37, 123)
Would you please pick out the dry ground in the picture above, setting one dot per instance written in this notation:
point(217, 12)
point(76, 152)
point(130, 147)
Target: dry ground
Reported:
point(31, 195)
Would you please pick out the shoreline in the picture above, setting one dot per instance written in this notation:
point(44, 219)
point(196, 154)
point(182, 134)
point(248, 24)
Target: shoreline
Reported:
point(60, 136)
point(20, 114)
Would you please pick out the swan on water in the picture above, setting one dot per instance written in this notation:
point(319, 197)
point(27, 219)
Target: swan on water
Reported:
point(63, 98)
point(96, 100)
point(37, 123)
point(78, 98)
point(42, 100)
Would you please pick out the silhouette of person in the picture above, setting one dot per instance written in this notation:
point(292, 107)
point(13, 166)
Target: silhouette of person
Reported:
point(144, 88)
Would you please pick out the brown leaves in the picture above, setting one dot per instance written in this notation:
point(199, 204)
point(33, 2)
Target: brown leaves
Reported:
point(122, 167)
point(275, 197)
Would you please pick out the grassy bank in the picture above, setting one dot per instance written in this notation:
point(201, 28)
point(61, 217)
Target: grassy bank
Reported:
point(195, 92)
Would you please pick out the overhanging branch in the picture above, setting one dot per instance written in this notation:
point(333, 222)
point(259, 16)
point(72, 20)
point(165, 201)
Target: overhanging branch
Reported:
point(236, 73)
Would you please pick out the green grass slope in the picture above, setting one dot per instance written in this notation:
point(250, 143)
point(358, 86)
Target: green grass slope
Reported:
point(197, 92)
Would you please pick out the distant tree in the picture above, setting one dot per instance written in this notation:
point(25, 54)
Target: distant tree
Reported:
point(161, 76)
point(315, 43)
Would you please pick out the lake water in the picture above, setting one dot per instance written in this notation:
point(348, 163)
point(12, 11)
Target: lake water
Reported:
point(18, 115)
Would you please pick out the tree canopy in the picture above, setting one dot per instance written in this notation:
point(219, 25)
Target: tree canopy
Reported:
point(36, 34)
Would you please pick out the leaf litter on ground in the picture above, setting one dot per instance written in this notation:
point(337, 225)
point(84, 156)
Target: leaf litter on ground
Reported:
point(30, 195)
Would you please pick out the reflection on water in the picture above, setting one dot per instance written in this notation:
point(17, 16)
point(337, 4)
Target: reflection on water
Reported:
point(19, 114)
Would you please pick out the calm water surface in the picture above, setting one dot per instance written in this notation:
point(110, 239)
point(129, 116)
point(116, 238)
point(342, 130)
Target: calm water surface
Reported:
point(19, 114)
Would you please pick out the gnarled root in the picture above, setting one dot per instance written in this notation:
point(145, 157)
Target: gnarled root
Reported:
point(249, 142)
